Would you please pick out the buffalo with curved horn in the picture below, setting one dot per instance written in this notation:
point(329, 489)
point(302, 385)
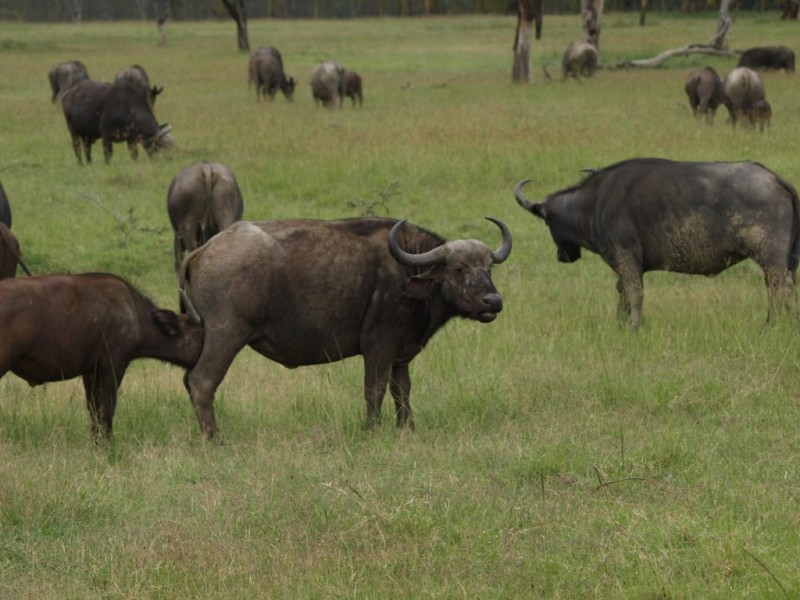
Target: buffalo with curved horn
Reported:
point(303, 292)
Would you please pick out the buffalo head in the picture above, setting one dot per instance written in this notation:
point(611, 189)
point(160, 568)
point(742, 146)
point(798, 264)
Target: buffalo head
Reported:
point(461, 269)
point(568, 250)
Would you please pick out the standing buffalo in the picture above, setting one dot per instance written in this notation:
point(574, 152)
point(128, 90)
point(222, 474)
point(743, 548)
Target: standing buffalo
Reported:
point(202, 200)
point(10, 255)
point(265, 70)
point(352, 88)
point(767, 58)
point(580, 59)
point(700, 218)
point(305, 292)
point(64, 75)
point(742, 90)
point(57, 327)
point(328, 83)
point(114, 112)
point(5, 208)
point(136, 77)
point(704, 89)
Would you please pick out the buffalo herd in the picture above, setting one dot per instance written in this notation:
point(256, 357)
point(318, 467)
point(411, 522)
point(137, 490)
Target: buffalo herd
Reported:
point(306, 292)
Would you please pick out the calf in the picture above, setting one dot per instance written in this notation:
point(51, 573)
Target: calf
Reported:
point(352, 88)
point(57, 327)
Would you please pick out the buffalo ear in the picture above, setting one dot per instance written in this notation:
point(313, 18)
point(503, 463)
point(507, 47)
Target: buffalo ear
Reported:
point(420, 287)
point(166, 321)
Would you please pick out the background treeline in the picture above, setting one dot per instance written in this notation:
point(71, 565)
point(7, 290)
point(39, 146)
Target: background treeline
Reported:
point(90, 10)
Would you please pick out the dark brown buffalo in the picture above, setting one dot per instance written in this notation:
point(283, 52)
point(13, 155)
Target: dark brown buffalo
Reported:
point(742, 90)
point(114, 112)
point(305, 292)
point(5, 208)
point(136, 77)
point(703, 87)
point(579, 60)
point(57, 327)
point(353, 88)
point(10, 255)
point(699, 218)
point(768, 58)
point(64, 75)
point(265, 70)
point(202, 200)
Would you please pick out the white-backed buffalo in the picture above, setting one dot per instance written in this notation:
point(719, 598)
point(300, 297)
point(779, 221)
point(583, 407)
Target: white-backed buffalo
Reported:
point(57, 327)
point(699, 218)
point(328, 83)
point(265, 70)
point(304, 292)
point(114, 112)
point(202, 200)
point(10, 254)
point(136, 77)
point(703, 87)
point(742, 89)
point(768, 58)
point(580, 59)
point(5, 208)
point(64, 75)
point(353, 88)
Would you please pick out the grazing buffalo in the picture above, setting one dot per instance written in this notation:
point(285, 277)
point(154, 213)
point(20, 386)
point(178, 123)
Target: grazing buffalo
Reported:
point(700, 218)
point(580, 59)
point(64, 75)
point(353, 88)
point(768, 58)
point(763, 114)
point(202, 200)
point(5, 208)
point(704, 89)
point(306, 292)
point(10, 255)
point(742, 89)
point(114, 112)
point(57, 327)
point(328, 83)
point(265, 70)
point(136, 77)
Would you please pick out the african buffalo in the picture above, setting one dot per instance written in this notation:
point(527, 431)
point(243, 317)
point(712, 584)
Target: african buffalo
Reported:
point(328, 83)
point(767, 58)
point(704, 89)
point(580, 59)
point(137, 77)
point(353, 88)
point(650, 214)
point(114, 112)
point(10, 255)
point(306, 292)
point(265, 70)
point(64, 75)
point(742, 89)
point(57, 327)
point(5, 208)
point(202, 200)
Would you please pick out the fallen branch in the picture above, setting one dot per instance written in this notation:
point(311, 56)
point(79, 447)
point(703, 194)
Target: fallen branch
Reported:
point(659, 60)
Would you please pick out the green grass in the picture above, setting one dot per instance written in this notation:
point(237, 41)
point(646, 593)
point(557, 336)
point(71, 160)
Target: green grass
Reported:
point(556, 454)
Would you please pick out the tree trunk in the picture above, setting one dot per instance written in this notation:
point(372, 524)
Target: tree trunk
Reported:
point(238, 13)
point(789, 10)
point(536, 9)
point(77, 11)
point(720, 41)
point(591, 11)
point(521, 72)
point(643, 12)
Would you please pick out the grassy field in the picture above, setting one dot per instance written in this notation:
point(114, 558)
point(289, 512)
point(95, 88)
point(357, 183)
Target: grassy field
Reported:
point(556, 454)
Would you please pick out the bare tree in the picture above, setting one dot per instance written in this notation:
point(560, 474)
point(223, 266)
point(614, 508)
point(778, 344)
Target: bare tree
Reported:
point(521, 72)
point(238, 13)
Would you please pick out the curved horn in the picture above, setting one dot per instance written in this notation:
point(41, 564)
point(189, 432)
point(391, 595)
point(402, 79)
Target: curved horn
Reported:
point(504, 250)
point(426, 259)
point(191, 311)
point(522, 200)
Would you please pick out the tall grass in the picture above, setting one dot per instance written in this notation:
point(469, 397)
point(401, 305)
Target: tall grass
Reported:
point(556, 454)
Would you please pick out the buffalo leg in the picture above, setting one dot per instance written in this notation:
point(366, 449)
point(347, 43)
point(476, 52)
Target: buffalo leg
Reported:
point(400, 386)
point(781, 292)
point(133, 150)
point(376, 377)
point(101, 388)
point(107, 150)
point(77, 148)
point(631, 294)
